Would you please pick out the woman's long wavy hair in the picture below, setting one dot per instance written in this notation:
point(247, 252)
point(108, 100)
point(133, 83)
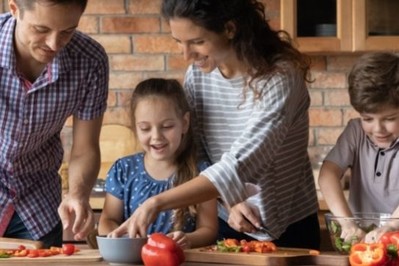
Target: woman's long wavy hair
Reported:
point(255, 42)
point(186, 159)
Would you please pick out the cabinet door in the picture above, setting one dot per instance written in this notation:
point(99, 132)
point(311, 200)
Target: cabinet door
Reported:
point(315, 35)
point(376, 25)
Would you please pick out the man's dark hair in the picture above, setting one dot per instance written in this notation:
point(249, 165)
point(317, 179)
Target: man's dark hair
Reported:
point(29, 4)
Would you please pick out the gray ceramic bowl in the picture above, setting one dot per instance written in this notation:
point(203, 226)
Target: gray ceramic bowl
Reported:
point(122, 250)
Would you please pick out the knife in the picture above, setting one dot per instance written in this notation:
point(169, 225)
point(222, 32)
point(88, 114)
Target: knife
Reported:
point(15, 243)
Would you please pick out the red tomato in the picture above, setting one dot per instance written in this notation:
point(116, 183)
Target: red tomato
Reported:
point(68, 249)
point(246, 248)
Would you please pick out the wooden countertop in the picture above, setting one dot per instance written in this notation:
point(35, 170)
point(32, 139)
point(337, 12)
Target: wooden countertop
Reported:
point(325, 258)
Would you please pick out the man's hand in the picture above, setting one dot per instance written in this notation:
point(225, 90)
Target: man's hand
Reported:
point(77, 214)
point(244, 218)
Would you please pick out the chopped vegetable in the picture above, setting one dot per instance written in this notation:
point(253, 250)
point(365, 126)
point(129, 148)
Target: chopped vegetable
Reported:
point(234, 245)
point(21, 251)
point(339, 243)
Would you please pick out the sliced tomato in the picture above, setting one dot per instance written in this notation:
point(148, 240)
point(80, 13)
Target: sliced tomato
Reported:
point(20, 253)
point(45, 253)
point(231, 242)
point(33, 253)
point(55, 250)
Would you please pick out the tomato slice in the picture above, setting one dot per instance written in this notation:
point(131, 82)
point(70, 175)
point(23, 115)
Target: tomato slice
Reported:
point(231, 242)
point(33, 253)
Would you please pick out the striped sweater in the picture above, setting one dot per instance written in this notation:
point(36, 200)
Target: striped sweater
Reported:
point(258, 142)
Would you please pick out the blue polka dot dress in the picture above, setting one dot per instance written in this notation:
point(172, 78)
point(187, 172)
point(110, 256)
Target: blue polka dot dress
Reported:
point(128, 181)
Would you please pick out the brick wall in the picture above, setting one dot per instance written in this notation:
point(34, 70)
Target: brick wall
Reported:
point(139, 46)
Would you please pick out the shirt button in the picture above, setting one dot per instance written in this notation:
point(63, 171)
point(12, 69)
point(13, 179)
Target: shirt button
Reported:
point(382, 153)
point(378, 174)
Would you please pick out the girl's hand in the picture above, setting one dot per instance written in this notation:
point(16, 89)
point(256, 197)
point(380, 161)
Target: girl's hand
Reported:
point(138, 222)
point(180, 238)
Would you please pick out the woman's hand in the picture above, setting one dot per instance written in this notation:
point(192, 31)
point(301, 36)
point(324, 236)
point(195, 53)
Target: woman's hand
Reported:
point(180, 238)
point(138, 222)
point(244, 218)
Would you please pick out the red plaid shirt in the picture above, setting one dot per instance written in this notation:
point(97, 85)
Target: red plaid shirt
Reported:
point(31, 119)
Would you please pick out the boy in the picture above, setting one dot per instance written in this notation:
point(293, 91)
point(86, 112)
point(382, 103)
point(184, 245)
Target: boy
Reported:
point(368, 146)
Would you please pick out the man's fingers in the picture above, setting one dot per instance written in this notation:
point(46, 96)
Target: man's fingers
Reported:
point(80, 216)
point(87, 227)
point(64, 216)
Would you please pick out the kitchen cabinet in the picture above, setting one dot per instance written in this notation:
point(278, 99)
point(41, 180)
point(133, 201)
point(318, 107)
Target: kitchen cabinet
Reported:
point(375, 25)
point(341, 25)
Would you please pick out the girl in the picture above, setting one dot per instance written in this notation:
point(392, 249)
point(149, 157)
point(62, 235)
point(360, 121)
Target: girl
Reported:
point(160, 116)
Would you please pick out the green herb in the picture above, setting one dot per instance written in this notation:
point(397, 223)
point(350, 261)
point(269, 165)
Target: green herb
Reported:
point(4, 255)
point(346, 246)
point(335, 227)
point(338, 243)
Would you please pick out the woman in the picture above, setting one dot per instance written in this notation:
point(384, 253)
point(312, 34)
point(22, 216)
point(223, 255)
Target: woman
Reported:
point(247, 88)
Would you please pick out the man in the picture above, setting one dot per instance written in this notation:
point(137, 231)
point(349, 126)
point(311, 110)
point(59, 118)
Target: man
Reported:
point(48, 71)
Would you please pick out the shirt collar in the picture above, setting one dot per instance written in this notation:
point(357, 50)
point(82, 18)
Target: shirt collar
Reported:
point(7, 54)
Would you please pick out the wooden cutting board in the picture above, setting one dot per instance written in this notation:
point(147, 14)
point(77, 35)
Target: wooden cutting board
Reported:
point(82, 255)
point(281, 257)
point(14, 243)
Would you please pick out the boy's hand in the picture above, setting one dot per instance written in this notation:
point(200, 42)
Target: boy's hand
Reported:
point(351, 232)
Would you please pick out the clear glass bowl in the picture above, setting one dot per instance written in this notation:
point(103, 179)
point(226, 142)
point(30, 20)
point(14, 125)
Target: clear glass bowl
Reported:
point(366, 221)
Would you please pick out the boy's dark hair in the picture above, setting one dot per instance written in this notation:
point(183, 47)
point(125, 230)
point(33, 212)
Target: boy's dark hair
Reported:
point(186, 158)
point(255, 42)
point(29, 4)
point(374, 82)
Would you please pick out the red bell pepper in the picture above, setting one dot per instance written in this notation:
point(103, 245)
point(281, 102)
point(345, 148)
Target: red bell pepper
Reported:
point(390, 240)
point(363, 254)
point(161, 250)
